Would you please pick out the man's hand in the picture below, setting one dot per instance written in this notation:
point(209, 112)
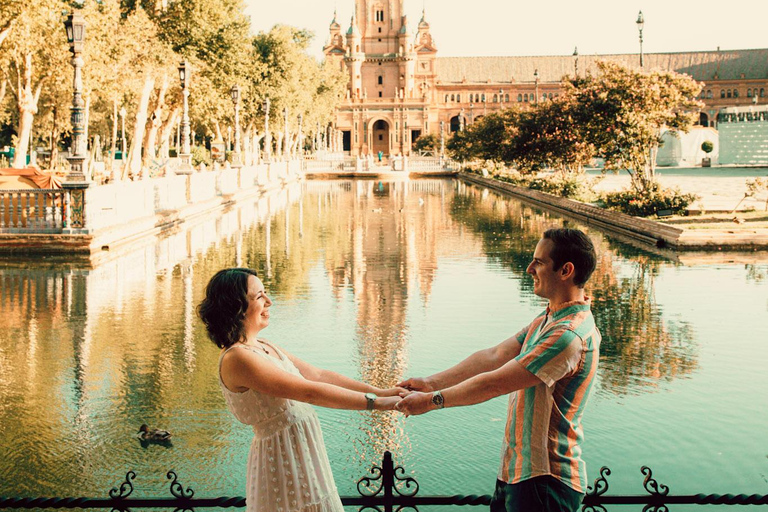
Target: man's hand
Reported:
point(416, 384)
point(415, 403)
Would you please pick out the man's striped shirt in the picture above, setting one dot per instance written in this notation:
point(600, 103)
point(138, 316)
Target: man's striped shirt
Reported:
point(543, 432)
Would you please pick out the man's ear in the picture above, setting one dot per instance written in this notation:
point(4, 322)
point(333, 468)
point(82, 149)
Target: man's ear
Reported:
point(567, 270)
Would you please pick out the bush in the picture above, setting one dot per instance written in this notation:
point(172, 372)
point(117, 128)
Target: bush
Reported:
point(645, 205)
point(200, 155)
point(707, 146)
point(572, 186)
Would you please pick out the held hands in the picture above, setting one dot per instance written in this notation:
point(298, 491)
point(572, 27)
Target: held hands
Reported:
point(416, 384)
point(414, 403)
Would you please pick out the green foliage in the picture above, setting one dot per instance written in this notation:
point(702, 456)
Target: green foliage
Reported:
point(200, 155)
point(707, 146)
point(622, 111)
point(649, 202)
point(427, 143)
point(570, 185)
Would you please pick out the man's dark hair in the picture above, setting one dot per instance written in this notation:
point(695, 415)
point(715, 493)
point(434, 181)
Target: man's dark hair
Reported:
point(224, 306)
point(574, 246)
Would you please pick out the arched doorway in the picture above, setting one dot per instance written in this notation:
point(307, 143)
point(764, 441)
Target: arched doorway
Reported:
point(703, 119)
point(455, 124)
point(380, 134)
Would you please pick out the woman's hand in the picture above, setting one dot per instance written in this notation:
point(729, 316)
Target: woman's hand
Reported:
point(386, 403)
point(393, 391)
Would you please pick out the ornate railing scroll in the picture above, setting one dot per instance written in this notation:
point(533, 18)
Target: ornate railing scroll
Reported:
point(385, 489)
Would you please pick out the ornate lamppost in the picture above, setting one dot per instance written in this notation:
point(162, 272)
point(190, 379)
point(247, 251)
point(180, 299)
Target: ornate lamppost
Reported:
point(185, 155)
point(576, 61)
point(267, 133)
point(122, 130)
point(640, 22)
point(536, 81)
point(75, 26)
point(442, 140)
point(237, 160)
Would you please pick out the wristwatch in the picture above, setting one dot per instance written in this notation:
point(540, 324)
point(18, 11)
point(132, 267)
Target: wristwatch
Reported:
point(371, 397)
point(437, 399)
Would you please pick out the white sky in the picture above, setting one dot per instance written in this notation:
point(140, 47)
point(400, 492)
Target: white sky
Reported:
point(547, 27)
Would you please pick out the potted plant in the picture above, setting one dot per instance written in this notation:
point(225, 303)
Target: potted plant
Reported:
point(707, 147)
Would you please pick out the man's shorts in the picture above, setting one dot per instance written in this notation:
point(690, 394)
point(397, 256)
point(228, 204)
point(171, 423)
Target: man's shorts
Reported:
point(539, 494)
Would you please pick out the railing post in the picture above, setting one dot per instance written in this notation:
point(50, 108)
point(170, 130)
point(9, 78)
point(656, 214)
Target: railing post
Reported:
point(75, 212)
point(388, 480)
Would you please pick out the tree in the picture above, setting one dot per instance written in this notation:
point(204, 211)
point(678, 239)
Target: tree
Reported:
point(34, 54)
point(429, 143)
point(487, 139)
point(622, 112)
point(549, 135)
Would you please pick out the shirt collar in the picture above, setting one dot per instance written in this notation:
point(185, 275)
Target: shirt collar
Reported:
point(581, 305)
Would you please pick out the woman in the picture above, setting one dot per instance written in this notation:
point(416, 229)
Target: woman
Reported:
point(270, 389)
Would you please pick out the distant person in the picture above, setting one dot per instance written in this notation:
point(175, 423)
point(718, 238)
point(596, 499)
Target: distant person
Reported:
point(549, 368)
point(381, 155)
point(270, 390)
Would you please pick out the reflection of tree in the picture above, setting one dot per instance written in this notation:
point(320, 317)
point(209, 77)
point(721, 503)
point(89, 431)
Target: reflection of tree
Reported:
point(639, 347)
point(756, 273)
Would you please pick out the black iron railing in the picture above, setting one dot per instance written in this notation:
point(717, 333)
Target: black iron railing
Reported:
point(385, 489)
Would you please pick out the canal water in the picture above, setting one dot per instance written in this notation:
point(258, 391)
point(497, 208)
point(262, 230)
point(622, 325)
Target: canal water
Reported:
point(378, 281)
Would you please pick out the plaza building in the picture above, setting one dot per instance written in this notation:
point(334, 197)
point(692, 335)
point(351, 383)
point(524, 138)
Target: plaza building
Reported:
point(399, 89)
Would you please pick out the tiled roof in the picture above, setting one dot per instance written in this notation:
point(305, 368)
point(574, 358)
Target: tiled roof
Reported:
point(703, 66)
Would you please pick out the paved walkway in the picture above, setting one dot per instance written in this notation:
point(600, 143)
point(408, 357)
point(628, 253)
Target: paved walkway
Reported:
point(719, 189)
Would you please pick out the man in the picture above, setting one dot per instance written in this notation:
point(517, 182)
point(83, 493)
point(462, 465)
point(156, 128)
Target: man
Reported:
point(548, 367)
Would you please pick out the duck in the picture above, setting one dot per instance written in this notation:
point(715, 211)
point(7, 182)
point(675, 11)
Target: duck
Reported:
point(153, 434)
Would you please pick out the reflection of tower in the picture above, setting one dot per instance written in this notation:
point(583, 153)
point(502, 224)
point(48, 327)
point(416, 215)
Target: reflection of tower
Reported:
point(189, 317)
point(393, 229)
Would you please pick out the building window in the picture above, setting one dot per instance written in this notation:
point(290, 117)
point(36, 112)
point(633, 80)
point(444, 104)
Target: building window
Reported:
point(379, 30)
point(453, 97)
point(506, 98)
point(722, 93)
point(525, 97)
point(381, 137)
point(495, 98)
point(735, 93)
point(728, 93)
point(458, 98)
point(483, 100)
point(709, 93)
point(762, 92)
point(379, 94)
point(381, 80)
point(749, 93)
point(380, 16)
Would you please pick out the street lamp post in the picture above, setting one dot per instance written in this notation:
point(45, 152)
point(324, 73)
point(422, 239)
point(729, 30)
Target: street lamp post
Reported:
point(122, 130)
point(185, 155)
point(237, 160)
point(576, 61)
point(267, 133)
point(501, 99)
point(536, 80)
point(442, 140)
point(640, 22)
point(75, 26)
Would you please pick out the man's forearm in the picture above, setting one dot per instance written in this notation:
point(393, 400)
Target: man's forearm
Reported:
point(481, 361)
point(480, 388)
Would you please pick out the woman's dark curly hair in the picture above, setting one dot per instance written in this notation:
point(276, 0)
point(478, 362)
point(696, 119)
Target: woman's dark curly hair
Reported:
point(224, 306)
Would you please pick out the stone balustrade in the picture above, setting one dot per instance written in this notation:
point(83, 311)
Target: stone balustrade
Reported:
point(122, 210)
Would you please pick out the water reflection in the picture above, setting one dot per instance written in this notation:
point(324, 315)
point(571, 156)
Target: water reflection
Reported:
point(87, 353)
point(640, 347)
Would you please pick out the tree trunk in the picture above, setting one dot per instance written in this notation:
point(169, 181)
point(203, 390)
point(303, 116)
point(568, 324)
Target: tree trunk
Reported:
point(216, 125)
point(166, 131)
point(150, 151)
point(133, 163)
point(5, 30)
point(27, 108)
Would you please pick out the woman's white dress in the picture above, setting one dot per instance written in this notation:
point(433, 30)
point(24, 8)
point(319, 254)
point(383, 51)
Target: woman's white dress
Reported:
point(288, 468)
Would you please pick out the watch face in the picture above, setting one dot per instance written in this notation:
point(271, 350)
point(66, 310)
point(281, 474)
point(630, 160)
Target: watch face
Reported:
point(437, 399)
point(371, 396)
